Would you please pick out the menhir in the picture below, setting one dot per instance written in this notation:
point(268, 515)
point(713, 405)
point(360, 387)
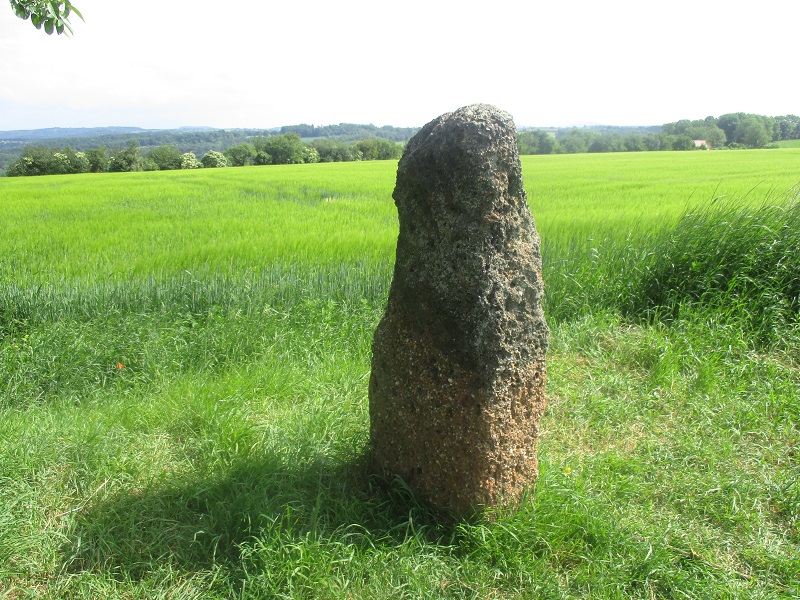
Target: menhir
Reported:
point(457, 389)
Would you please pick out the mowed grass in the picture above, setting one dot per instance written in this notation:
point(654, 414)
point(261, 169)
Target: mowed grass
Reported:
point(183, 371)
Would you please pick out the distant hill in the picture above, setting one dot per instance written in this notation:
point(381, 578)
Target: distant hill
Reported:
point(615, 129)
point(188, 139)
point(602, 129)
point(60, 133)
point(198, 140)
point(350, 132)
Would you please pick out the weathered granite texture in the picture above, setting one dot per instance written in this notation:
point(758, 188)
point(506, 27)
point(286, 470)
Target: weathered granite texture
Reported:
point(457, 388)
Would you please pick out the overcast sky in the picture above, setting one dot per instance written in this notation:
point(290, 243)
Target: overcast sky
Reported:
point(260, 64)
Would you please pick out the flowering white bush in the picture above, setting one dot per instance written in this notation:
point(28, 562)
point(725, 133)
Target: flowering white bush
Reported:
point(61, 163)
point(80, 163)
point(310, 155)
point(213, 159)
point(189, 161)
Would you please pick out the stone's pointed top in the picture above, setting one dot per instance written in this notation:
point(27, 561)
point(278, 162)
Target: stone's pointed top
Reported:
point(462, 150)
point(472, 117)
point(476, 112)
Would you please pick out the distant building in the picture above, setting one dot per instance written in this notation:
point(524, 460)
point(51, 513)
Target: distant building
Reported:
point(702, 144)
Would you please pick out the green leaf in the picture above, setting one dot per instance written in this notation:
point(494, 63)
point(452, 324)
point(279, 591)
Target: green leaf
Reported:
point(21, 11)
point(48, 27)
point(37, 20)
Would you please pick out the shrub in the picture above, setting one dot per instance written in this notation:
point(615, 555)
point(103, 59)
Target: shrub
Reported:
point(129, 159)
point(262, 158)
point(213, 160)
point(285, 149)
point(42, 160)
point(241, 155)
point(330, 150)
point(189, 161)
point(165, 158)
point(98, 159)
point(310, 155)
point(80, 162)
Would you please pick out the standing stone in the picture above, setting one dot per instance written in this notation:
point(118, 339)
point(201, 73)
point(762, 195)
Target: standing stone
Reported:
point(457, 388)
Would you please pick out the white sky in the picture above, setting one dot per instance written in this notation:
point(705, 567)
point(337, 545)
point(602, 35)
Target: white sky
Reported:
point(250, 63)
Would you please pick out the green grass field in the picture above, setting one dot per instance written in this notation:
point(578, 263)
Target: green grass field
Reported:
point(184, 360)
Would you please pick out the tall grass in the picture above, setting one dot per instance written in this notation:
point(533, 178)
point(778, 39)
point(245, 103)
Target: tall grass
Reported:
point(736, 261)
point(728, 258)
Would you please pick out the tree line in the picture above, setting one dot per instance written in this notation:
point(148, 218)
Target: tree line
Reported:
point(732, 130)
point(282, 149)
point(351, 132)
point(198, 141)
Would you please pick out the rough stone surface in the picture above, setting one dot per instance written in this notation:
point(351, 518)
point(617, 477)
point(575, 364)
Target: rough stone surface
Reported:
point(458, 361)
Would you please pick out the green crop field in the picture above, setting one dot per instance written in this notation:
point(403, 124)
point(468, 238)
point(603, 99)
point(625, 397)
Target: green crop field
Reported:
point(184, 360)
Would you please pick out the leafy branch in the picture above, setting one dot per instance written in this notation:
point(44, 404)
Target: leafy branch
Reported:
point(53, 16)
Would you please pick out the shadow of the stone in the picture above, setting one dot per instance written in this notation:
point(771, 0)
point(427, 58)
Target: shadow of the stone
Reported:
point(197, 522)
